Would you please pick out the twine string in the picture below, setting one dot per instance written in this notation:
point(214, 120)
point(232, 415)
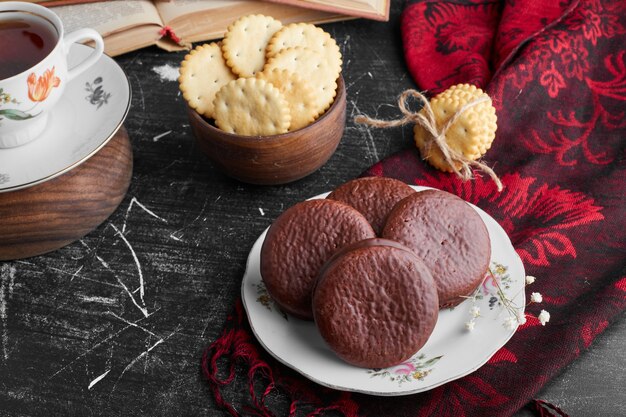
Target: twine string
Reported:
point(437, 137)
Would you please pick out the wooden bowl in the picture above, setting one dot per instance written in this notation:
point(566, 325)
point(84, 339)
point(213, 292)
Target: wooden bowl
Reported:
point(277, 159)
point(55, 213)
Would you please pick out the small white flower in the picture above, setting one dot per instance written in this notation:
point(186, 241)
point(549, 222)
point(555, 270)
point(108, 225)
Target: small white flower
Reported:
point(536, 297)
point(470, 325)
point(521, 317)
point(544, 317)
point(511, 323)
point(530, 279)
point(475, 311)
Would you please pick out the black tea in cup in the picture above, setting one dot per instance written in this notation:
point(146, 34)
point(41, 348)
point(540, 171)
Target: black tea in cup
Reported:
point(24, 41)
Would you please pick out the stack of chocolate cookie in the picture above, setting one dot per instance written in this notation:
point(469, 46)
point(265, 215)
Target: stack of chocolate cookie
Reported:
point(373, 263)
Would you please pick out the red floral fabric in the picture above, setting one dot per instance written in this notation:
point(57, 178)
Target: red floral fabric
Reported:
point(556, 71)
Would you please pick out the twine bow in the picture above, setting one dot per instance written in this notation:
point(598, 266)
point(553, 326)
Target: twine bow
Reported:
point(426, 119)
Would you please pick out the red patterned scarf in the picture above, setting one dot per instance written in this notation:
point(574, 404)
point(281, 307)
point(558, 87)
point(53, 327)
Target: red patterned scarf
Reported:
point(556, 71)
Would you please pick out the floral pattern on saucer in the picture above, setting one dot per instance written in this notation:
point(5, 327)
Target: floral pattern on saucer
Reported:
point(97, 96)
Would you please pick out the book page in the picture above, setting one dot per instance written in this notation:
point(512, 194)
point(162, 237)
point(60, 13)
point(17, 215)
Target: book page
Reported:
point(53, 3)
point(202, 20)
point(341, 4)
point(171, 9)
point(108, 17)
point(371, 9)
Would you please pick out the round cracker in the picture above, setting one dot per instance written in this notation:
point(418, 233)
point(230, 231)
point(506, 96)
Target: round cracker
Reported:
point(309, 65)
point(251, 107)
point(308, 36)
point(202, 73)
point(245, 41)
point(297, 92)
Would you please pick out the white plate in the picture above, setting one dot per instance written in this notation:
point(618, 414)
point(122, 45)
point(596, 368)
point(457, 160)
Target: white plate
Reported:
point(92, 109)
point(450, 353)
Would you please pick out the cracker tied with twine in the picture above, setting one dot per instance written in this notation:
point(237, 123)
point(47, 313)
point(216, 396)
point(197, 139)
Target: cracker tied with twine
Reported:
point(452, 131)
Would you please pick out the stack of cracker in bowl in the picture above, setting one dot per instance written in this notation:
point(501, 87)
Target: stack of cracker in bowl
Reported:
point(263, 78)
point(267, 104)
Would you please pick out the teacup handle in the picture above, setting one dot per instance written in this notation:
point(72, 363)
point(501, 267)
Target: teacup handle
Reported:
point(81, 35)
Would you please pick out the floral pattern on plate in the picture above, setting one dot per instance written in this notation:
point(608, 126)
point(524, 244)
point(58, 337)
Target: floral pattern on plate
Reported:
point(266, 300)
point(416, 368)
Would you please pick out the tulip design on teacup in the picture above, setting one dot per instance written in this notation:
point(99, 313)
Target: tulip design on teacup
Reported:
point(39, 88)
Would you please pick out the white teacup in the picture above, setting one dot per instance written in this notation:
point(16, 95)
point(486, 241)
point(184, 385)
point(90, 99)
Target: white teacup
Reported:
point(26, 97)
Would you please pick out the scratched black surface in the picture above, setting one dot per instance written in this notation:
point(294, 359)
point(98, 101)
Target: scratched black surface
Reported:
point(79, 336)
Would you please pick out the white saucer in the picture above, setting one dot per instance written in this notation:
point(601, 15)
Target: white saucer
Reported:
point(93, 107)
point(450, 353)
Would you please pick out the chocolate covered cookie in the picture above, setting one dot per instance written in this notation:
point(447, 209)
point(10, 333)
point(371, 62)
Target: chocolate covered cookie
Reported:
point(448, 235)
point(375, 303)
point(299, 242)
point(374, 197)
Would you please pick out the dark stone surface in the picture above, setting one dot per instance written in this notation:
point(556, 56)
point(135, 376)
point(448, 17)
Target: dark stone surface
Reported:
point(68, 318)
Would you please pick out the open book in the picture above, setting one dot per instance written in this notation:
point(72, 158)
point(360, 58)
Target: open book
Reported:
point(370, 9)
point(174, 24)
